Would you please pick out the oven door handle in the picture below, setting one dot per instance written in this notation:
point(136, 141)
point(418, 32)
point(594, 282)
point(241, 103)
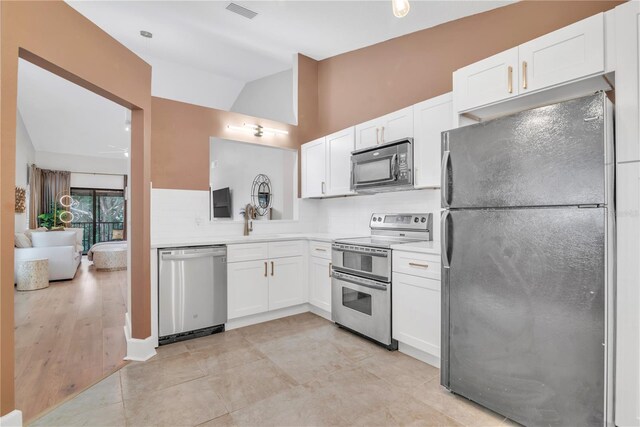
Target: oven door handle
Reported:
point(370, 285)
point(381, 255)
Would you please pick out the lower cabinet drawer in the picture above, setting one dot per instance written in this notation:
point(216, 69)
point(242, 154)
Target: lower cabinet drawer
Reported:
point(286, 248)
point(247, 252)
point(416, 312)
point(416, 264)
point(320, 249)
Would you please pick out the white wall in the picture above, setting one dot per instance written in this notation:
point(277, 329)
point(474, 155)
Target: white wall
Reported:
point(75, 163)
point(236, 164)
point(92, 180)
point(186, 84)
point(270, 97)
point(182, 216)
point(351, 215)
point(25, 155)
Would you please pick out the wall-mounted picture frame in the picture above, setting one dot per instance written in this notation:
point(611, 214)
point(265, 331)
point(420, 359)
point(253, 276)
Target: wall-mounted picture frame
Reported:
point(21, 198)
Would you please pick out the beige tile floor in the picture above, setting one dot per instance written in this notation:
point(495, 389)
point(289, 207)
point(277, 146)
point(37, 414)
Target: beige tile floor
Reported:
point(297, 371)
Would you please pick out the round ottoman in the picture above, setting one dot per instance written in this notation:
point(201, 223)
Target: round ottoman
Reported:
point(108, 258)
point(33, 274)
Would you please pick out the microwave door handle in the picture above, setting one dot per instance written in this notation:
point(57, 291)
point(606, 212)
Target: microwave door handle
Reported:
point(394, 167)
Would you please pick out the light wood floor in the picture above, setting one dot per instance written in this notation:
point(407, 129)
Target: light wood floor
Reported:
point(68, 336)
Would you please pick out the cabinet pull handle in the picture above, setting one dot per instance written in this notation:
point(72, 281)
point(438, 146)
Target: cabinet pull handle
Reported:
point(323, 187)
point(272, 268)
point(330, 267)
point(382, 136)
point(377, 136)
point(415, 264)
point(524, 74)
point(321, 250)
point(510, 79)
point(265, 269)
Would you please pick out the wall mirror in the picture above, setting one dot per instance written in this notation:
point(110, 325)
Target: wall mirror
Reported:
point(243, 173)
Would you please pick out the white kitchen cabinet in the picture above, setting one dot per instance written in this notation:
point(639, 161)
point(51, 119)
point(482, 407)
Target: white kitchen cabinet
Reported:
point(416, 312)
point(570, 53)
point(320, 282)
point(430, 119)
point(493, 79)
point(627, 341)
point(567, 55)
point(314, 168)
point(387, 128)
point(627, 38)
point(247, 288)
point(338, 162)
point(368, 133)
point(286, 282)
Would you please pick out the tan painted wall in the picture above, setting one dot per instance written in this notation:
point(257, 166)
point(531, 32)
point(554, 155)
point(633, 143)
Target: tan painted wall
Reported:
point(348, 89)
point(370, 82)
point(54, 36)
point(180, 133)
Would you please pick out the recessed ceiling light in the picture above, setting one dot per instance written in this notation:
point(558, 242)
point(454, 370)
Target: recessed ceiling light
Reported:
point(146, 34)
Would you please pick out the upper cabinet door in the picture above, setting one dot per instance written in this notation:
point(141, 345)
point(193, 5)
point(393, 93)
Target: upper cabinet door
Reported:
point(430, 119)
point(564, 55)
point(368, 133)
point(313, 168)
point(397, 125)
point(339, 147)
point(493, 79)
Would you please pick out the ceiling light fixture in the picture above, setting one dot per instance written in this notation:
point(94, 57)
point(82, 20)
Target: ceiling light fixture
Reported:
point(400, 8)
point(258, 130)
point(146, 34)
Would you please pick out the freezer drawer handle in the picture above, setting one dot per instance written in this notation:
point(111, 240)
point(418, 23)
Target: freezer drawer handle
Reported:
point(168, 257)
point(444, 244)
point(446, 155)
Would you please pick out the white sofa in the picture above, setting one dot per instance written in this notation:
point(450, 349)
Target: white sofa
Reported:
point(63, 249)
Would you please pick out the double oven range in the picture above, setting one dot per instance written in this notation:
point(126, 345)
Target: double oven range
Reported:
point(361, 274)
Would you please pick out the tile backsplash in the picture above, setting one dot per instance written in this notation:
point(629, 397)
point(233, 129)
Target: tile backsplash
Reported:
point(180, 215)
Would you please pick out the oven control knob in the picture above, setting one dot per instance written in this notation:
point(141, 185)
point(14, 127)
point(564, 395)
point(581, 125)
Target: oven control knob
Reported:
point(379, 218)
point(375, 219)
point(423, 219)
point(416, 219)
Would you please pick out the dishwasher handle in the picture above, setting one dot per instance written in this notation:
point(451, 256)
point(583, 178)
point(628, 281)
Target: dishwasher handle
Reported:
point(195, 255)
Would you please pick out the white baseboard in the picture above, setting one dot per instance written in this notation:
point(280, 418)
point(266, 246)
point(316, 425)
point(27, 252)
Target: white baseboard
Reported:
point(320, 312)
point(422, 356)
point(12, 419)
point(138, 350)
point(265, 317)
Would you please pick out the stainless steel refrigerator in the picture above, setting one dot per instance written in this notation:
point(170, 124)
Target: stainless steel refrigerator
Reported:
point(527, 263)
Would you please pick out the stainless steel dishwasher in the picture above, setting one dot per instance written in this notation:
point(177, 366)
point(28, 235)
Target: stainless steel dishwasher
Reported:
point(192, 294)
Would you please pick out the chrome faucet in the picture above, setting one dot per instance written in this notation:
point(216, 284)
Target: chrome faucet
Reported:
point(249, 216)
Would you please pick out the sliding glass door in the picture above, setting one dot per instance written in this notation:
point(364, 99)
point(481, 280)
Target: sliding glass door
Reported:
point(100, 213)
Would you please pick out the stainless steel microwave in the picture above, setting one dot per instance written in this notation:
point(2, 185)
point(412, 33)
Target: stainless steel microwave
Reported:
point(387, 167)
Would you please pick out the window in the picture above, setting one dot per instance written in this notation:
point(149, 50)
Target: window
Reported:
point(101, 213)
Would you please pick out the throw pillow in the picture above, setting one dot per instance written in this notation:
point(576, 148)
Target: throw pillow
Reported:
point(22, 241)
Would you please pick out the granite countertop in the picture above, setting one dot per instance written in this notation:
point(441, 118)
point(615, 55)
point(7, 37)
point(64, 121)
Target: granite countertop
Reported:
point(432, 248)
point(254, 238)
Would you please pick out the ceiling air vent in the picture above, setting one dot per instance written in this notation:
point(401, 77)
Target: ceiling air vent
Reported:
point(242, 11)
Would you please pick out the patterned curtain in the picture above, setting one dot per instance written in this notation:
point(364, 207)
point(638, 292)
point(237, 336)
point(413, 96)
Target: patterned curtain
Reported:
point(45, 185)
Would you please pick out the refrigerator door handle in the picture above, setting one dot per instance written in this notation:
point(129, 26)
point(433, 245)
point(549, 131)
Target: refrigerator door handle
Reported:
point(444, 244)
point(444, 179)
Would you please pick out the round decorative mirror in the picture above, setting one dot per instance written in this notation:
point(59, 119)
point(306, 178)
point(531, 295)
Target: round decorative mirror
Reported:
point(261, 196)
